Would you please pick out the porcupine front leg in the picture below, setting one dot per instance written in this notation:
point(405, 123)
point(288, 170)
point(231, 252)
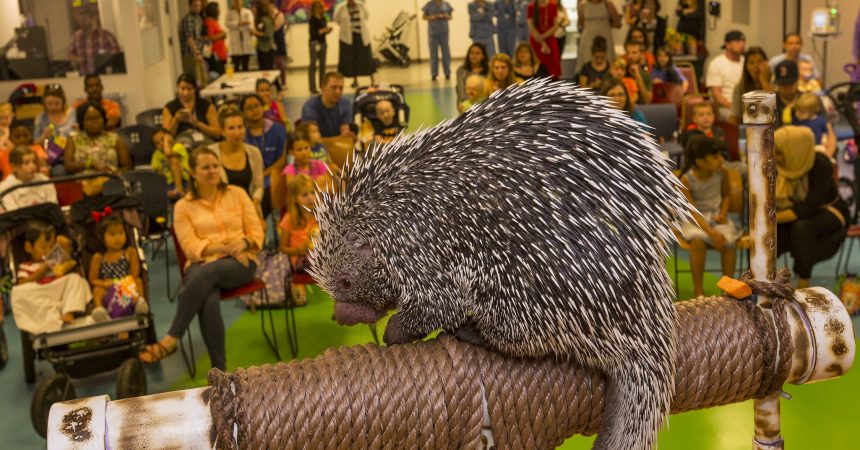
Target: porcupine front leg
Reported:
point(425, 308)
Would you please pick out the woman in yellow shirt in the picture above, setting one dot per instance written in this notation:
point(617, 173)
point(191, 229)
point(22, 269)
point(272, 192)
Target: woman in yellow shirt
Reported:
point(220, 233)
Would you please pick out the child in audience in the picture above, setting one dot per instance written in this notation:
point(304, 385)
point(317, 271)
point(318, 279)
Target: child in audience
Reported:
point(706, 186)
point(806, 82)
point(300, 150)
point(274, 108)
point(618, 70)
point(118, 265)
point(7, 115)
point(595, 71)
point(170, 160)
point(298, 228)
point(474, 92)
point(806, 112)
point(386, 126)
point(25, 169)
point(310, 131)
point(664, 70)
point(21, 135)
point(49, 295)
point(702, 120)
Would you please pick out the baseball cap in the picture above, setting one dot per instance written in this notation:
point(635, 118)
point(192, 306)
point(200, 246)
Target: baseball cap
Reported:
point(785, 73)
point(733, 35)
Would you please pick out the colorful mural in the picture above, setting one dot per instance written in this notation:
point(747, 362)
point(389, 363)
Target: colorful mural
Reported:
point(299, 11)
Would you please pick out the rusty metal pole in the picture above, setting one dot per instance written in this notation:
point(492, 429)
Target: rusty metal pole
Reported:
point(759, 115)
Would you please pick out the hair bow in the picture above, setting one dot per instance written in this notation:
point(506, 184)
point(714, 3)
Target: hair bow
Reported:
point(99, 216)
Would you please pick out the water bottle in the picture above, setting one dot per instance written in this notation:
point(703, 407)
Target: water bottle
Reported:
point(228, 69)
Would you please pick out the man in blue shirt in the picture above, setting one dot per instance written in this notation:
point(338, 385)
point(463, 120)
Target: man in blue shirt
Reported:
point(481, 26)
point(437, 13)
point(331, 112)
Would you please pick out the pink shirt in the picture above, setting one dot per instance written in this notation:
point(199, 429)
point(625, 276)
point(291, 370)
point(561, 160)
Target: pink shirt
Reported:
point(317, 169)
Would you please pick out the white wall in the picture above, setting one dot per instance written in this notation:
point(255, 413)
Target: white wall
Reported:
point(9, 20)
point(840, 48)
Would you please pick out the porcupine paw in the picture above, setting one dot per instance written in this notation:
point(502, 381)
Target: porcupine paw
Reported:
point(396, 332)
point(469, 333)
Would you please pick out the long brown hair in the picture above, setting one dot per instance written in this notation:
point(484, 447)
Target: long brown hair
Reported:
point(294, 212)
point(192, 163)
point(506, 60)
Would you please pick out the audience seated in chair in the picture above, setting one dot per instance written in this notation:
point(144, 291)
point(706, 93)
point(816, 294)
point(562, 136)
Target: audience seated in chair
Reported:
point(706, 185)
point(811, 216)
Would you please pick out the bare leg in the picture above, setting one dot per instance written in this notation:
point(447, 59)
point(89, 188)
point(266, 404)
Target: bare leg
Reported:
point(98, 296)
point(728, 261)
point(697, 265)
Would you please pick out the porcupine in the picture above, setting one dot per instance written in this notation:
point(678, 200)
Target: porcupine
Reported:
point(535, 224)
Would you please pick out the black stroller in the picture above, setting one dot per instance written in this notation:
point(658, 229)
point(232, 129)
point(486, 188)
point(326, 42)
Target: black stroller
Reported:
point(89, 349)
point(364, 108)
point(390, 46)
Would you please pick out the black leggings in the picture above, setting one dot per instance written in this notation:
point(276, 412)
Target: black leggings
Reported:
point(810, 240)
point(266, 59)
point(241, 62)
point(200, 295)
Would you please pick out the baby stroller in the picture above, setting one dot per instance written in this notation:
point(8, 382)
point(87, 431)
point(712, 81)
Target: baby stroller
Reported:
point(364, 108)
point(79, 351)
point(390, 47)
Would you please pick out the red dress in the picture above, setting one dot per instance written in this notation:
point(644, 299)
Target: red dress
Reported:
point(546, 16)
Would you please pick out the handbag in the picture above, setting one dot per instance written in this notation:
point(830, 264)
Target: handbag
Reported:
point(273, 269)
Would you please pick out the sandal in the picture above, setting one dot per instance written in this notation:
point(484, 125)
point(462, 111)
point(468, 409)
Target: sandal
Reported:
point(156, 353)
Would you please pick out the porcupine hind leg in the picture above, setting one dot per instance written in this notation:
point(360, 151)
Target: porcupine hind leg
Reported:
point(636, 404)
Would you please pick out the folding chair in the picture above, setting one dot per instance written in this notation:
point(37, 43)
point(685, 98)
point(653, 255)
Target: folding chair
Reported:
point(151, 117)
point(737, 206)
point(151, 189)
point(256, 285)
point(689, 73)
point(139, 145)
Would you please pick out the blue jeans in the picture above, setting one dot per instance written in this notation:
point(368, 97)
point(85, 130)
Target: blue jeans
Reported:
point(201, 296)
point(437, 42)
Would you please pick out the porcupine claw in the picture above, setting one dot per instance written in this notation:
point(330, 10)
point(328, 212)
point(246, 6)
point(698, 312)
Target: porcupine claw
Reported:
point(396, 332)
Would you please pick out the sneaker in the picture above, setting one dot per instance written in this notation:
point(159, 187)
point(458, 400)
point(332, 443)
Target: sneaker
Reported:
point(100, 315)
point(354, 84)
point(447, 77)
point(433, 78)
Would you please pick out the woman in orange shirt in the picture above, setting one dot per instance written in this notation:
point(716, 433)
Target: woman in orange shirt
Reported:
point(218, 229)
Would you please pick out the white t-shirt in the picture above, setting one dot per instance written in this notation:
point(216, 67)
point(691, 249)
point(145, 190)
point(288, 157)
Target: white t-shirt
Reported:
point(725, 74)
point(28, 196)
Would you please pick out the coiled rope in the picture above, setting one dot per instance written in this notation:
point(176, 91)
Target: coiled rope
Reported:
point(429, 394)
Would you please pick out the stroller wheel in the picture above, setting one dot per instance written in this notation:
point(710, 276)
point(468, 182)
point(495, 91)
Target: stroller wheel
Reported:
point(4, 349)
point(58, 388)
point(29, 357)
point(130, 379)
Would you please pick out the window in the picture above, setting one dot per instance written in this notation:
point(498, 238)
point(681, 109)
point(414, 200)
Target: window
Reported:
point(62, 37)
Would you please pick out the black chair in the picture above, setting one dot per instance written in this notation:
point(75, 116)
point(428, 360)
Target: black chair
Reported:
point(137, 137)
point(150, 117)
point(662, 117)
point(150, 189)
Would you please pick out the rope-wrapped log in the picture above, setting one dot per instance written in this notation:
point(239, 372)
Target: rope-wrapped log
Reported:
point(429, 394)
point(447, 394)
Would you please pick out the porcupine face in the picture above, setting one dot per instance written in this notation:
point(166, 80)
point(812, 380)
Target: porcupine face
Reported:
point(344, 265)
